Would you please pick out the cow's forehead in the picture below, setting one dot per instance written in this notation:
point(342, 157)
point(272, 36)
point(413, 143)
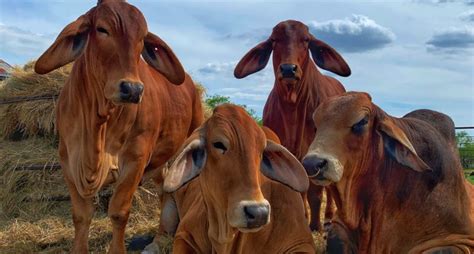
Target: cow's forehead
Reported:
point(121, 16)
point(235, 124)
point(289, 28)
point(342, 107)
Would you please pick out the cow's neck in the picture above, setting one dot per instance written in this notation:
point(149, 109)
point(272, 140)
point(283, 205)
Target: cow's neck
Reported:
point(291, 120)
point(220, 233)
point(359, 199)
point(92, 111)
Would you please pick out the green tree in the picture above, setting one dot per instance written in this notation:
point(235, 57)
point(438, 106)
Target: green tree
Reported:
point(216, 100)
point(466, 149)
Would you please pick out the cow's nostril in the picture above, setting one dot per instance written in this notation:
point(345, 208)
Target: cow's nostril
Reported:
point(248, 213)
point(125, 90)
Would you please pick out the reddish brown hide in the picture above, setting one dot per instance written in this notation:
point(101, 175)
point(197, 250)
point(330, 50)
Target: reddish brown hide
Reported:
point(399, 182)
point(116, 110)
point(299, 88)
point(232, 206)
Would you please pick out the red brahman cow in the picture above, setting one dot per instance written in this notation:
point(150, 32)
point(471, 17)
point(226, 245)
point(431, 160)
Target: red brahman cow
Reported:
point(399, 181)
point(116, 107)
point(231, 206)
point(299, 88)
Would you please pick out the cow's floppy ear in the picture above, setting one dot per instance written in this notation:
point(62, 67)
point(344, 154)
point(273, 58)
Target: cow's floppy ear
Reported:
point(282, 166)
point(397, 145)
point(188, 164)
point(159, 55)
point(327, 58)
point(66, 48)
point(255, 60)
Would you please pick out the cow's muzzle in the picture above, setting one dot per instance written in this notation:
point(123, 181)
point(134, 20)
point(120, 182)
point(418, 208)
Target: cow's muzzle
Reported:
point(315, 166)
point(131, 92)
point(256, 215)
point(288, 70)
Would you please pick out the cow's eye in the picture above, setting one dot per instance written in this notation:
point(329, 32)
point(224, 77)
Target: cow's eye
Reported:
point(220, 146)
point(306, 40)
point(359, 127)
point(102, 30)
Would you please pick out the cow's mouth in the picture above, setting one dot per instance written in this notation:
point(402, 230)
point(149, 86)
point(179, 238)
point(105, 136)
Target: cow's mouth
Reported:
point(289, 81)
point(250, 230)
point(320, 181)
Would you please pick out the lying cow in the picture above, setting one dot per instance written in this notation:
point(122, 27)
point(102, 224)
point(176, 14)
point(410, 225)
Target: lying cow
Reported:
point(231, 206)
point(398, 181)
point(116, 106)
point(298, 90)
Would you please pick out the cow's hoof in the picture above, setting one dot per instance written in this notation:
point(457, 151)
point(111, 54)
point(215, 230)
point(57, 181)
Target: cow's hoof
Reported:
point(138, 243)
point(152, 248)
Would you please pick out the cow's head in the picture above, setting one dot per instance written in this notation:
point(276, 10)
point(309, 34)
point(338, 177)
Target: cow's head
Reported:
point(291, 43)
point(230, 153)
point(111, 37)
point(353, 135)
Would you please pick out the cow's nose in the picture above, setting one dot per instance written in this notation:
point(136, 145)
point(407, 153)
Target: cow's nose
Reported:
point(130, 92)
point(256, 215)
point(288, 70)
point(315, 166)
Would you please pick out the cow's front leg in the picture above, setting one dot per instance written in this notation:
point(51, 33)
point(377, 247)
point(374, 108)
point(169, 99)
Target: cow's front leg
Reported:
point(315, 193)
point(82, 212)
point(121, 201)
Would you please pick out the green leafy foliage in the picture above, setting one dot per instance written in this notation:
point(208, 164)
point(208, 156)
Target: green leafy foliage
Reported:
point(216, 100)
point(466, 150)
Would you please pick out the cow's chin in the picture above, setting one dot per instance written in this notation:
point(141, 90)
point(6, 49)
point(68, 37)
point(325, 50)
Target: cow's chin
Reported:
point(289, 82)
point(321, 182)
point(250, 230)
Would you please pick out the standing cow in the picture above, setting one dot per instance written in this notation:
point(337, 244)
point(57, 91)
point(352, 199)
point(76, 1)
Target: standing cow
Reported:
point(299, 88)
point(115, 106)
point(399, 182)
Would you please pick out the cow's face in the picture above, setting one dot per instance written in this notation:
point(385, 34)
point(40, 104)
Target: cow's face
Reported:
point(113, 36)
point(291, 43)
point(229, 153)
point(116, 41)
point(352, 135)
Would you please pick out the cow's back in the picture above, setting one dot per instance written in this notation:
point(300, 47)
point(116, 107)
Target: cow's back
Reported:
point(441, 122)
point(428, 204)
point(174, 110)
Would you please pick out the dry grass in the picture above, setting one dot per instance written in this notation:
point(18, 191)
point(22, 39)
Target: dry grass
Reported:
point(31, 118)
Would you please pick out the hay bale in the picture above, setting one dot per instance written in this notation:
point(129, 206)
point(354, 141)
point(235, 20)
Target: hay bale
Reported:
point(31, 222)
point(30, 118)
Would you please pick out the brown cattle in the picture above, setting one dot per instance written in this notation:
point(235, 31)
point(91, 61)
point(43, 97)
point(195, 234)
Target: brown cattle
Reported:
point(116, 108)
point(298, 90)
point(399, 181)
point(231, 206)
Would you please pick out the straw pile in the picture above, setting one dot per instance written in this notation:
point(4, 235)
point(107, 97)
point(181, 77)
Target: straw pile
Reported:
point(30, 118)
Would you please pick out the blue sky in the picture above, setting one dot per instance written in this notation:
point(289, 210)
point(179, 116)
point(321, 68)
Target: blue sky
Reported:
point(407, 54)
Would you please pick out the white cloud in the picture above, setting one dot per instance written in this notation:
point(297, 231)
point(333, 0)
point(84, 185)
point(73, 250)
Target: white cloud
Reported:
point(452, 39)
point(467, 16)
point(355, 34)
point(21, 42)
